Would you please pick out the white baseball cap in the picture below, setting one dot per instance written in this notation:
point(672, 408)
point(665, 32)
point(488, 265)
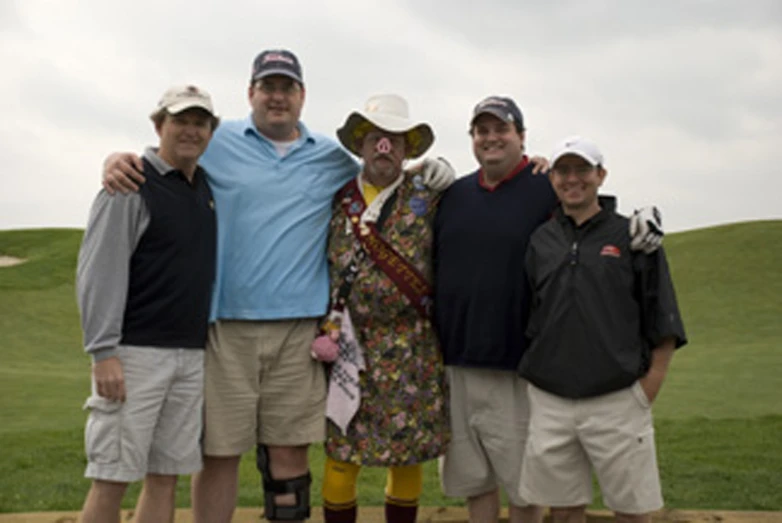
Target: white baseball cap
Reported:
point(181, 97)
point(580, 147)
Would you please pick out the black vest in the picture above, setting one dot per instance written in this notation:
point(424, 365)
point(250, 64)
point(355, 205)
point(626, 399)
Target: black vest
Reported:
point(172, 269)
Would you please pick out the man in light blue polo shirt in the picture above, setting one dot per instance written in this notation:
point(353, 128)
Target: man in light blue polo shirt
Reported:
point(273, 183)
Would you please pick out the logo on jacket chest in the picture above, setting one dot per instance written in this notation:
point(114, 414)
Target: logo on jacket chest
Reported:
point(610, 250)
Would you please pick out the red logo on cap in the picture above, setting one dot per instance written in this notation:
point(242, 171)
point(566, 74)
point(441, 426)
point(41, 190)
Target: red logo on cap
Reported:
point(277, 57)
point(611, 250)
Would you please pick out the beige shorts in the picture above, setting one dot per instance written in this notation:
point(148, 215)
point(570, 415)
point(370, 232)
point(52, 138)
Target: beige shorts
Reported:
point(613, 432)
point(489, 417)
point(262, 386)
point(157, 429)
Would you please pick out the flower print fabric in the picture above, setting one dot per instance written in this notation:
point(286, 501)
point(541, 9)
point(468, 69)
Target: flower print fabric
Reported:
point(403, 415)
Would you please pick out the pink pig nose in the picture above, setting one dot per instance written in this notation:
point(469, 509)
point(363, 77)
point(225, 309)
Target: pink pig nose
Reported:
point(383, 146)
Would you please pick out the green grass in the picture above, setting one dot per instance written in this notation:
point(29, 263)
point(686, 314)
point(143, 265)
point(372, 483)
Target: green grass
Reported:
point(43, 471)
point(728, 281)
point(729, 284)
point(727, 464)
point(718, 418)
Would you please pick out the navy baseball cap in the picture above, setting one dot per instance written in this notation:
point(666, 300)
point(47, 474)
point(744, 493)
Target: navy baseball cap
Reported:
point(502, 107)
point(277, 61)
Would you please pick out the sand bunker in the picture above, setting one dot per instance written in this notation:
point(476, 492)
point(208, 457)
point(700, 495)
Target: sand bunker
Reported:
point(10, 261)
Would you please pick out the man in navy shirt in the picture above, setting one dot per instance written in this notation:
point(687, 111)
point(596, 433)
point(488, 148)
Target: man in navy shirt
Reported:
point(481, 304)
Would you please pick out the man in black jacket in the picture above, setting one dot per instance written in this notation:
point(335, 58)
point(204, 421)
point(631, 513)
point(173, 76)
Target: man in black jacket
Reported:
point(603, 329)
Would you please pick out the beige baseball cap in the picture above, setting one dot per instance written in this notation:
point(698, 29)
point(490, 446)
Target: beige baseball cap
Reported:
point(181, 97)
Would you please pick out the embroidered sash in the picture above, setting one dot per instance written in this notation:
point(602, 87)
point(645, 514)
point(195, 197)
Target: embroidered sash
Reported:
point(404, 275)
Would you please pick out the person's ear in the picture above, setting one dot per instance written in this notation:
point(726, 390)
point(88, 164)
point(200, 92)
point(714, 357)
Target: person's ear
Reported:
point(601, 173)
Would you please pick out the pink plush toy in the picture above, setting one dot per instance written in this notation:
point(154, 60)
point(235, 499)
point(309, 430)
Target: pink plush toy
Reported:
point(325, 348)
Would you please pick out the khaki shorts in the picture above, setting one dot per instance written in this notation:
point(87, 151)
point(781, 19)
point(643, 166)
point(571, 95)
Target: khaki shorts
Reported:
point(612, 432)
point(157, 429)
point(489, 417)
point(262, 386)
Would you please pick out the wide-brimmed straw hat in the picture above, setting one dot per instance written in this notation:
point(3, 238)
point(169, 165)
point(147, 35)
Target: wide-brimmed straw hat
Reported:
point(387, 112)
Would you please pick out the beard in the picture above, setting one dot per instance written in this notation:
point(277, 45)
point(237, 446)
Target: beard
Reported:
point(382, 173)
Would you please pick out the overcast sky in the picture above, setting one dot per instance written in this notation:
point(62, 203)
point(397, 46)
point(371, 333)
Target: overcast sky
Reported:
point(683, 96)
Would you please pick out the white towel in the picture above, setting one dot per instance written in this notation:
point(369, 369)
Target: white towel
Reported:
point(344, 396)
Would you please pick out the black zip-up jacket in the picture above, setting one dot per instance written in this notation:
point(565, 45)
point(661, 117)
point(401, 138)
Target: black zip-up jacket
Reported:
point(598, 308)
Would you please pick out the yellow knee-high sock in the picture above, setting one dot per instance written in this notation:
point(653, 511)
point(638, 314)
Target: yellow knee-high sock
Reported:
point(339, 491)
point(402, 492)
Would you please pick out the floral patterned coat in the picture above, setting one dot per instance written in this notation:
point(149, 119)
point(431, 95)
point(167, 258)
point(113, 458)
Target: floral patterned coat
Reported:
point(403, 415)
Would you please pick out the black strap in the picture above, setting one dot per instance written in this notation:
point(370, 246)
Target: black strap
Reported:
point(348, 274)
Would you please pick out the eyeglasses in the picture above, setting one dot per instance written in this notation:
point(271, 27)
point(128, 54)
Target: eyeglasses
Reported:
point(285, 87)
point(579, 170)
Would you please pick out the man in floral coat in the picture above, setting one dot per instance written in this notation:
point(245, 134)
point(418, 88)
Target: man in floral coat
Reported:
point(387, 398)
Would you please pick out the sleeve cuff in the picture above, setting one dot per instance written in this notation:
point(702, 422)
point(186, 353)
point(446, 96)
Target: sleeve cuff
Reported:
point(103, 354)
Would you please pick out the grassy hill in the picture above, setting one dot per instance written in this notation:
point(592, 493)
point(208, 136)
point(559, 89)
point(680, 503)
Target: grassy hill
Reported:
point(729, 284)
point(719, 417)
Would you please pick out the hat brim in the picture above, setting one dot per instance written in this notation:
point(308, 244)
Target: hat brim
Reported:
point(500, 114)
point(183, 106)
point(279, 72)
point(419, 136)
point(587, 158)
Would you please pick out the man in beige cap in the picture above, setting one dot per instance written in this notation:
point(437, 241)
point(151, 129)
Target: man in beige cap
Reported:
point(144, 281)
point(386, 402)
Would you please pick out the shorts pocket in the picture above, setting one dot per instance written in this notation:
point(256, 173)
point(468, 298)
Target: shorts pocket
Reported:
point(640, 395)
point(102, 434)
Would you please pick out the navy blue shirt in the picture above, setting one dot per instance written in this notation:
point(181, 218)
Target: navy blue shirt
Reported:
point(481, 290)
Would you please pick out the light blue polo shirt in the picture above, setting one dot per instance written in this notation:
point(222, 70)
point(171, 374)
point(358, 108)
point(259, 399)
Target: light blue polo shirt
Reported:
point(272, 221)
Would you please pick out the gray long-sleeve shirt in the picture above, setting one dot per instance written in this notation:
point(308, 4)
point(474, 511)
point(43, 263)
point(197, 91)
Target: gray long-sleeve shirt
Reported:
point(115, 226)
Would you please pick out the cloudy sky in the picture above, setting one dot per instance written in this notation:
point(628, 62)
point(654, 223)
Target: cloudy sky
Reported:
point(684, 96)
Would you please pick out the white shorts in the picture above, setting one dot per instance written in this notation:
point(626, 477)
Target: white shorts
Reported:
point(158, 428)
point(489, 418)
point(612, 433)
